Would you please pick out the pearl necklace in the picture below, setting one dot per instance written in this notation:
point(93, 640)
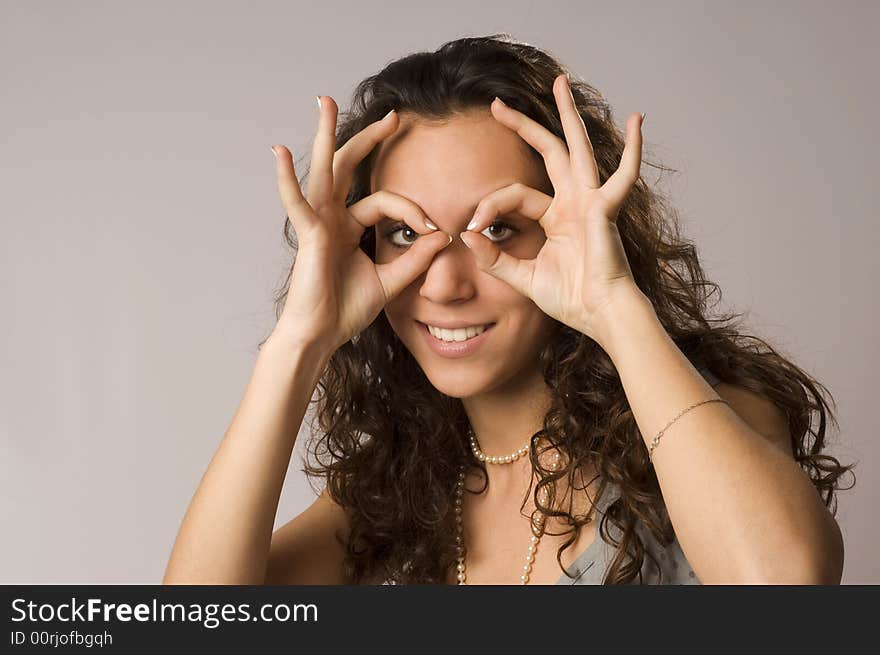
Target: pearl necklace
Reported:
point(537, 530)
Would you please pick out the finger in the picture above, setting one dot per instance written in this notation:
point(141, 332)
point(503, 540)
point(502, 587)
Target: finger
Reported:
point(384, 204)
point(621, 181)
point(298, 210)
point(320, 185)
point(514, 199)
point(548, 145)
point(399, 273)
point(356, 149)
point(491, 259)
point(582, 157)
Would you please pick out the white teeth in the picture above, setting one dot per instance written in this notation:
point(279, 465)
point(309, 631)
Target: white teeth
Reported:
point(458, 334)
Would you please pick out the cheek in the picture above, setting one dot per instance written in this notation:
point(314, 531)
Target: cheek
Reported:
point(532, 325)
point(397, 311)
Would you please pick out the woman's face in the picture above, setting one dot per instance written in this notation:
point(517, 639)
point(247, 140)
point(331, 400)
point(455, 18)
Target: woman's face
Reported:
point(446, 169)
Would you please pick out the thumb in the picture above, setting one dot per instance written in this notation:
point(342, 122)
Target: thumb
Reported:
point(399, 273)
point(507, 268)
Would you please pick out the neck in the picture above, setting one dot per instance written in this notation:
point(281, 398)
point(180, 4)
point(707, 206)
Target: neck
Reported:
point(505, 418)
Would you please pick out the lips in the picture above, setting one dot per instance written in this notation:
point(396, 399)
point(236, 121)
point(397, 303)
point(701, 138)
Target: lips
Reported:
point(455, 349)
point(458, 334)
point(452, 325)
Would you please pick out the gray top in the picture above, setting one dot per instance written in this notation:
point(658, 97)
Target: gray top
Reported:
point(592, 564)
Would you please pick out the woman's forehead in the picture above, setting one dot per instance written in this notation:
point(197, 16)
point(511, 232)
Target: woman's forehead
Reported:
point(465, 155)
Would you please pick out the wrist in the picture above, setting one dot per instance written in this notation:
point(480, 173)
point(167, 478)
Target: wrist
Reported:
point(294, 347)
point(626, 309)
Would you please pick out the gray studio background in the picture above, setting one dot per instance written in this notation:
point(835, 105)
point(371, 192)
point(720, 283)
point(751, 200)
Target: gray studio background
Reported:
point(141, 226)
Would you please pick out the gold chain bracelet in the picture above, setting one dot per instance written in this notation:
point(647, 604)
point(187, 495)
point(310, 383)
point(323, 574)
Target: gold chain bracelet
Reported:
point(656, 439)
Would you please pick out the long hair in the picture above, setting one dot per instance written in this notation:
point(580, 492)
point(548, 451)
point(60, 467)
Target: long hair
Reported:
point(388, 444)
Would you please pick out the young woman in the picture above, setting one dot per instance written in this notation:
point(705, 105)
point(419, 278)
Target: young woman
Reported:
point(517, 379)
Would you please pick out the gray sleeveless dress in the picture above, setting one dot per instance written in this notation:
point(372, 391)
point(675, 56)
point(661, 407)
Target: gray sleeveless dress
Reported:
point(591, 565)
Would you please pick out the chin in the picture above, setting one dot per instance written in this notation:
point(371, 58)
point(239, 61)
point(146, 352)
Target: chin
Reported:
point(457, 384)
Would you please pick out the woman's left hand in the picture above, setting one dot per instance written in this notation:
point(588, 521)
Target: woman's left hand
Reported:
point(581, 268)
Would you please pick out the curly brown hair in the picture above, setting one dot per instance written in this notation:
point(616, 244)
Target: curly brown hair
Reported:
point(390, 444)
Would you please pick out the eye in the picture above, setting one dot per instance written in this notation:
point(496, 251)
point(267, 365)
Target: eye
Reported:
point(399, 227)
point(502, 226)
point(388, 235)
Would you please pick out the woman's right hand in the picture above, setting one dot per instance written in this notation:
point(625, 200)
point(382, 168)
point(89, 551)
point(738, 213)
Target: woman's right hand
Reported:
point(336, 290)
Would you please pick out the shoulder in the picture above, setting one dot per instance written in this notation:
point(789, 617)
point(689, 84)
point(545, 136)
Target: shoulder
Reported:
point(308, 549)
point(760, 413)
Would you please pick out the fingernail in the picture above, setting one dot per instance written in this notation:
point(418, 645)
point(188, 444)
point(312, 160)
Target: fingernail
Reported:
point(643, 117)
point(461, 236)
point(272, 148)
point(448, 242)
point(430, 225)
point(388, 114)
point(473, 223)
point(319, 102)
point(501, 101)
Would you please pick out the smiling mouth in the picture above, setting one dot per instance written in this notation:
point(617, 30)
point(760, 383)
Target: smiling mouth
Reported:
point(456, 335)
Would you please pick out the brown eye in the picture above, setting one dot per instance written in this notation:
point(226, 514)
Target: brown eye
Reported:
point(501, 226)
point(400, 227)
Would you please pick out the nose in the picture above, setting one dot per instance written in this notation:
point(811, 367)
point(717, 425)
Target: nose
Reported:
point(450, 276)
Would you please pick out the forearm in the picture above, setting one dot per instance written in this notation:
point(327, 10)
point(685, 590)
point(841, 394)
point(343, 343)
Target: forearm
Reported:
point(743, 511)
point(227, 530)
